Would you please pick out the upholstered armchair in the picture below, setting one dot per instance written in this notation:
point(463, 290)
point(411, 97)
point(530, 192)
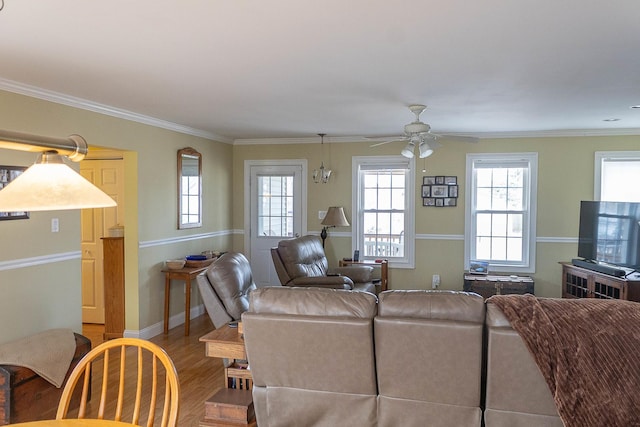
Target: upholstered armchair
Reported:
point(302, 262)
point(225, 286)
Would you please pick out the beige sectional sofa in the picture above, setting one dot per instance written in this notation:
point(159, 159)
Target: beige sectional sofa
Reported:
point(516, 392)
point(326, 357)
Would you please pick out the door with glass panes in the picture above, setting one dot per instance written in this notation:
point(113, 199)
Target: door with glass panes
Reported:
point(276, 212)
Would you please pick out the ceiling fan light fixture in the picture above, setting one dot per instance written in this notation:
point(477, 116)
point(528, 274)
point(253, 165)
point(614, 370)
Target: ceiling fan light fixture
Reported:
point(407, 151)
point(417, 127)
point(425, 150)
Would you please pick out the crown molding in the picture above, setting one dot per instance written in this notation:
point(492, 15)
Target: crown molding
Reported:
point(559, 133)
point(554, 133)
point(84, 104)
point(302, 140)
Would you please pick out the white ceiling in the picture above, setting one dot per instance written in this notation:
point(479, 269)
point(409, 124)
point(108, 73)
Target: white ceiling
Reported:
point(247, 69)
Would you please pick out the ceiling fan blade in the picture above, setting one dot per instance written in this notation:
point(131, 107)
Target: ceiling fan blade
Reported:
point(383, 143)
point(434, 144)
point(386, 140)
point(459, 138)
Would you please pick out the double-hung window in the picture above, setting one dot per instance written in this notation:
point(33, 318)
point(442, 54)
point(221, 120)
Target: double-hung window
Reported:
point(500, 217)
point(383, 209)
point(617, 174)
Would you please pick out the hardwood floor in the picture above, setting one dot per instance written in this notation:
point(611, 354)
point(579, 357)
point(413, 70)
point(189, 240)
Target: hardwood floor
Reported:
point(199, 376)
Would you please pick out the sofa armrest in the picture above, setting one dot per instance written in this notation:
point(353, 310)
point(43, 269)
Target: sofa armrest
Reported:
point(336, 282)
point(357, 273)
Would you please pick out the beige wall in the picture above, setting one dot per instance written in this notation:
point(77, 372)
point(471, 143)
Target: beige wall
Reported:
point(45, 292)
point(565, 176)
point(40, 270)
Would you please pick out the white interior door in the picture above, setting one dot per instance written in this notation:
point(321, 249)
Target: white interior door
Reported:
point(277, 211)
point(108, 175)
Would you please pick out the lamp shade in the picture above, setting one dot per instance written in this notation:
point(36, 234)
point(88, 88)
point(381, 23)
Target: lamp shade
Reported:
point(425, 150)
point(50, 184)
point(335, 217)
point(407, 151)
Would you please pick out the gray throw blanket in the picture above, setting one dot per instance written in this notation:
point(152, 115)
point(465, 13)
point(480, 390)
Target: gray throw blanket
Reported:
point(588, 351)
point(48, 354)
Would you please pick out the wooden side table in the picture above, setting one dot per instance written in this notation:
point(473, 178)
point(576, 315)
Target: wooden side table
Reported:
point(225, 343)
point(228, 343)
point(384, 270)
point(232, 405)
point(185, 274)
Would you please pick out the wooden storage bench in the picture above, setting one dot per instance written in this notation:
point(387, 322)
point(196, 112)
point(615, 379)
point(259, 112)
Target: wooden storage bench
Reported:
point(488, 285)
point(25, 396)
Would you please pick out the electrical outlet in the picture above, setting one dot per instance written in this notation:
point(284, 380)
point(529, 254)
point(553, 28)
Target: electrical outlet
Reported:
point(55, 225)
point(435, 281)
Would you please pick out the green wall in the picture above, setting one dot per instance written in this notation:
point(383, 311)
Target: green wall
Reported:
point(565, 176)
point(40, 270)
point(40, 285)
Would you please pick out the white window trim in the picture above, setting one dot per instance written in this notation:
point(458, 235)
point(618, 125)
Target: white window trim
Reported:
point(532, 158)
point(357, 231)
point(601, 156)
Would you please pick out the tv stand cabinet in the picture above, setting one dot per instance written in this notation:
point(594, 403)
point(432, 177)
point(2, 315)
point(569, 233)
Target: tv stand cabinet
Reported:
point(578, 282)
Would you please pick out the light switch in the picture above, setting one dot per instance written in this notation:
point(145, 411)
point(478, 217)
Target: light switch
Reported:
point(55, 225)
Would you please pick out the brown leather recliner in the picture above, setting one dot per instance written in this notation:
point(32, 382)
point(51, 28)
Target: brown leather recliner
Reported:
point(302, 262)
point(225, 286)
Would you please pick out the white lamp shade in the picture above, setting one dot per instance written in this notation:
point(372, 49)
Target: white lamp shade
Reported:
point(335, 217)
point(51, 186)
point(408, 151)
point(425, 150)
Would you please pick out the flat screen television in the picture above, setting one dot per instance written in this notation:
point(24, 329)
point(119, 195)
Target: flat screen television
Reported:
point(610, 233)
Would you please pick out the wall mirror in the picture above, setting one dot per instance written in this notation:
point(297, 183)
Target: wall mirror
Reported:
point(189, 188)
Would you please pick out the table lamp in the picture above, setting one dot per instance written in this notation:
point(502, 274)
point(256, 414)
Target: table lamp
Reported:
point(334, 218)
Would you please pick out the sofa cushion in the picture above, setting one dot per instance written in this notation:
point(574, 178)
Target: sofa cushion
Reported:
point(313, 302)
point(311, 356)
point(443, 305)
point(429, 357)
point(511, 374)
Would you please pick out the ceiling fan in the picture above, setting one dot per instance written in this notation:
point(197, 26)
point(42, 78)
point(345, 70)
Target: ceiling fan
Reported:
point(418, 133)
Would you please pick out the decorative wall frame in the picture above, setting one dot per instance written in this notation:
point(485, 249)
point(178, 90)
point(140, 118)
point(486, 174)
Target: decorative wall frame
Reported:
point(8, 174)
point(440, 191)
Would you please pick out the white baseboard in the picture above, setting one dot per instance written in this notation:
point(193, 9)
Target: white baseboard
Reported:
point(158, 328)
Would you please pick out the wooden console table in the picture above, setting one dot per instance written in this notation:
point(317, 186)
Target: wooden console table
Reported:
point(185, 274)
point(384, 270)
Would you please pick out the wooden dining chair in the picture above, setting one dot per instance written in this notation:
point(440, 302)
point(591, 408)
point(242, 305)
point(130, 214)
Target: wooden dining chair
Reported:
point(138, 380)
